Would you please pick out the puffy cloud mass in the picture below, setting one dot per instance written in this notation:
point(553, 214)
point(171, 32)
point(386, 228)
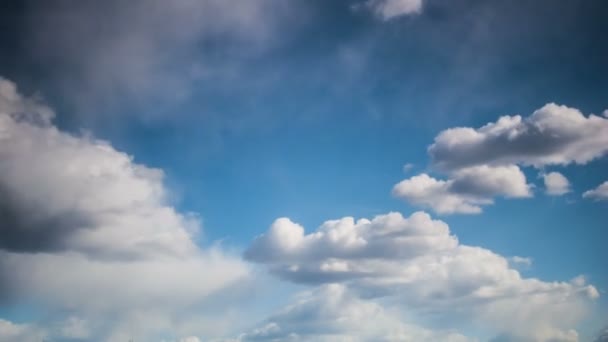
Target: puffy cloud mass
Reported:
point(85, 229)
point(389, 9)
point(418, 262)
point(556, 184)
point(552, 135)
point(467, 191)
point(599, 194)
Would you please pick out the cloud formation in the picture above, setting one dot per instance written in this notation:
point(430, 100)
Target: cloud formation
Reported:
point(85, 229)
point(466, 191)
point(556, 184)
point(484, 163)
point(417, 261)
point(599, 194)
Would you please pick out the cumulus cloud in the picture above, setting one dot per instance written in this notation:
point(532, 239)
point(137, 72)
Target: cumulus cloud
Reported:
point(599, 194)
point(466, 191)
point(86, 229)
point(425, 268)
point(556, 184)
point(332, 313)
point(389, 9)
point(552, 135)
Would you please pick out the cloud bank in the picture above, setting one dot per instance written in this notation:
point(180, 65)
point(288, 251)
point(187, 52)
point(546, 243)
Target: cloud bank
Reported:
point(85, 229)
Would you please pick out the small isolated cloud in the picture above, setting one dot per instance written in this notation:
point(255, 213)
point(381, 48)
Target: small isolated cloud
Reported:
point(599, 194)
point(408, 167)
point(556, 184)
point(333, 313)
point(390, 9)
point(517, 260)
point(86, 230)
point(552, 135)
point(419, 264)
point(466, 191)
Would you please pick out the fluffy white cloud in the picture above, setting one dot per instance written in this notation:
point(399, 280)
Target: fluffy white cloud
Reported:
point(466, 191)
point(418, 261)
point(556, 184)
point(389, 9)
point(599, 194)
point(332, 313)
point(553, 134)
point(85, 229)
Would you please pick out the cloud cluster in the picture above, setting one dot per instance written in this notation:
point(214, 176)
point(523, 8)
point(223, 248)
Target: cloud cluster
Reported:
point(484, 163)
point(599, 194)
point(418, 262)
point(84, 228)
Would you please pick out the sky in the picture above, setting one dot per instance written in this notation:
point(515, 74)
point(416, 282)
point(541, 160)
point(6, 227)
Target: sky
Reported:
point(267, 170)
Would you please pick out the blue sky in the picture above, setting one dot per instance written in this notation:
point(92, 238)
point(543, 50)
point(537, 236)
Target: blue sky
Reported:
point(308, 110)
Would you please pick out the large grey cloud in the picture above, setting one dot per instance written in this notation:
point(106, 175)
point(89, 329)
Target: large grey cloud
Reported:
point(144, 53)
point(552, 135)
point(424, 267)
point(87, 231)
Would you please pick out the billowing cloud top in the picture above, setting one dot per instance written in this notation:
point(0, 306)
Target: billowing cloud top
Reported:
point(553, 134)
point(418, 261)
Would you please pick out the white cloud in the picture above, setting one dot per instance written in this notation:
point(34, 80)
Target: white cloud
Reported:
point(599, 194)
point(332, 313)
point(552, 135)
point(389, 9)
point(86, 230)
point(423, 266)
point(556, 184)
point(466, 191)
